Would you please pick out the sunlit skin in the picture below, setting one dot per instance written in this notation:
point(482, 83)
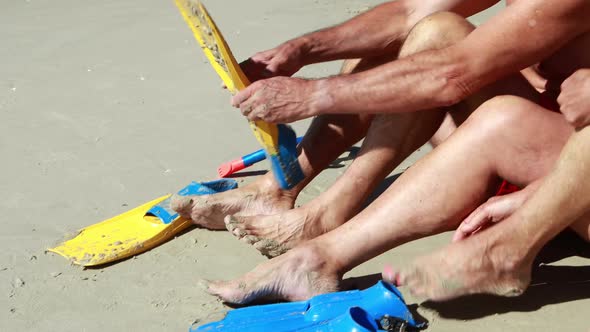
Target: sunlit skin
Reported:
point(429, 77)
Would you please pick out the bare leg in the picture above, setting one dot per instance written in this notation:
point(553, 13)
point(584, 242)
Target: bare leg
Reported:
point(499, 260)
point(431, 197)
point(391, 139)
point(582, 227)
point(327, 138)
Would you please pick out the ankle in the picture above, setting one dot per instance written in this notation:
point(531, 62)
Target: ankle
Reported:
point(268, 186)
point(511, 254)
point(316, 258)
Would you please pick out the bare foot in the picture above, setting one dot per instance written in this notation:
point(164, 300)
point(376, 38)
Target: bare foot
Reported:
point(489, 262)
point(295, 276)
point(262, 197)
point(274, 235)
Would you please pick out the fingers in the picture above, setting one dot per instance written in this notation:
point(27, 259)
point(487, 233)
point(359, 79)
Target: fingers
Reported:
point(258, 113)
point(459, 235)
point(476, 220)
point(472, 223)
point(251, 103)
point(257, 67)
point(243, 95)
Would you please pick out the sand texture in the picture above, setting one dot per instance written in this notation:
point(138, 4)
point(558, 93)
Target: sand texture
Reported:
point(107, 104)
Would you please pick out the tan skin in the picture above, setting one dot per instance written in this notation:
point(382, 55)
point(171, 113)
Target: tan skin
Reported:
point(444, 76)
point(385, 27)
point(553, 30)
point(548, 79)
point(321, 146)
point(575, 106)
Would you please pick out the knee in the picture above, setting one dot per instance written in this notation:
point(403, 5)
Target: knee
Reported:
point(436, 31)
point(499, 116)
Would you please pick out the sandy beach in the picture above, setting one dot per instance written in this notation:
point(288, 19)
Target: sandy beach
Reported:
point(105, 105)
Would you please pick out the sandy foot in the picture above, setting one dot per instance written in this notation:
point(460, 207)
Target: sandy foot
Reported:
point(485, 263)
point(262, 197)
point(295, 276)
point(273, 235)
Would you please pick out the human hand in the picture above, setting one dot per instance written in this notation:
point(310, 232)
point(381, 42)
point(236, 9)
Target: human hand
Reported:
point(491, 212)
point(277, 100)
point(574, 99)
point(284, 60)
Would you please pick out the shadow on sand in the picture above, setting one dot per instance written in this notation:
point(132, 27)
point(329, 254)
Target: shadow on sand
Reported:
point(551, 284)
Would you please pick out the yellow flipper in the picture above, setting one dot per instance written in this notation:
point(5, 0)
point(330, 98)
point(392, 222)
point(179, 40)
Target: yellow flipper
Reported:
point(224, 63)
point(125, 235)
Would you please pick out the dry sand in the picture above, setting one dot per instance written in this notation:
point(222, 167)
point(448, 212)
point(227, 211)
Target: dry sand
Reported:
point(106, 104)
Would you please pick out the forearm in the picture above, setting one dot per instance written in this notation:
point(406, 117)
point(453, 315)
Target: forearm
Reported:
point(423, 81)
point(443, 77)
point(564, 195)
point(381, 30)
point(378, 31)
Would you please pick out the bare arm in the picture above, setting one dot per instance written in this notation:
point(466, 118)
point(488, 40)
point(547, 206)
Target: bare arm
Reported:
point(523, 34)
point(380, 30)
point(563, 197)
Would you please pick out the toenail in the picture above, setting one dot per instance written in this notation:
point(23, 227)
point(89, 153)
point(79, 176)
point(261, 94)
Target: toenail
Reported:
point(388, 273)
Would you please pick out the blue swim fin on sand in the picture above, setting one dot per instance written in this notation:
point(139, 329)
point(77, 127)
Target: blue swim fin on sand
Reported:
point(284, 164)
point(379, 308)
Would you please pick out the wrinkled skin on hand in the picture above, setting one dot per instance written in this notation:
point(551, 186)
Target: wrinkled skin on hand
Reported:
point(574, 99)
point(491, 212)
point(273, 96)
point(277, 100)
point(284, 60)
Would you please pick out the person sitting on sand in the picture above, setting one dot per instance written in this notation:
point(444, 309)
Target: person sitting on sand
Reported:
point(262, 213)
point(514, 135)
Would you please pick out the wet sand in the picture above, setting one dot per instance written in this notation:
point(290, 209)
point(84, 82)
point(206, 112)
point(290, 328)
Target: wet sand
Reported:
point(107, 104)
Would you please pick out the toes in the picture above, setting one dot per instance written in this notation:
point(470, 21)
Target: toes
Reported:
point(250, 239)
point(233, 292)
point(391, 276)
point(233, 225)
point(182, 204)
point(270, 248)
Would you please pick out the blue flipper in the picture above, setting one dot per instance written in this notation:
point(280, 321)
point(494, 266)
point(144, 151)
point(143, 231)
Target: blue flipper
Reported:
point(342, 311)
point(165, 213)
point(285, 165)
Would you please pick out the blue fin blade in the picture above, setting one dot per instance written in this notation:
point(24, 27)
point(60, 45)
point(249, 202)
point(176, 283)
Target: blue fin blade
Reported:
point(285, 165)
point(319, 312)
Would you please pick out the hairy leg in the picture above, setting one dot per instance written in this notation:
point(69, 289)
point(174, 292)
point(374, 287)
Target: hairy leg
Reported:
point(391, 139)
point(431, 197)
point(327, 138)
